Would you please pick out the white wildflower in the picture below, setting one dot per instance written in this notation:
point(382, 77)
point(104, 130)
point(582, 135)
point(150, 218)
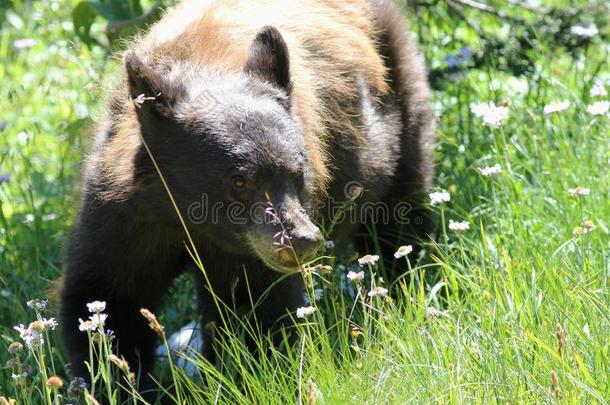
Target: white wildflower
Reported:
point(586, 227)
point(304, 312)
point(403, 251)
point(318, 293)
point(19, 376)
point(24, 43)
point(579, 191)
point(598, 90)
point(599, 107)
point(584, 31)
point(50, 323)
point(37, 304)
point(581, 230)
point(21, 329)
point(94, 323)
point(439, 198)
point(459, 226)
point(86, 326)
point(556, 106)
point(492, 114)
point(98, 319)
point(491, 170)
point(22, 138)
point(96, 306)
point(479, 109)
point(32, 335)
point(368, 259)
point(329, 244)
point(355, 276)
point(378, 292)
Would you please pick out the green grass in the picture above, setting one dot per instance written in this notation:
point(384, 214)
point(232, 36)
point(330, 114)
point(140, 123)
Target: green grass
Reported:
point(510, 280)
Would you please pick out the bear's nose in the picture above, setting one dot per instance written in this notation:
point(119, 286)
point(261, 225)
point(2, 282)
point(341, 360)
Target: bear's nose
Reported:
point(306, 244)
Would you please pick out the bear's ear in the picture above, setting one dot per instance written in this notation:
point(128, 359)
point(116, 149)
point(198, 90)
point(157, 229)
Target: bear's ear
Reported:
point(149, 90)
point(268, 58)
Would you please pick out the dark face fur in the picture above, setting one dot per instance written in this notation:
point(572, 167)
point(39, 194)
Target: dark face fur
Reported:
point(232, 152)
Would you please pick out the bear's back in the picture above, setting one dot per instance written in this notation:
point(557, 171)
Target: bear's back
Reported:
point(329, 37)
point(332, 44)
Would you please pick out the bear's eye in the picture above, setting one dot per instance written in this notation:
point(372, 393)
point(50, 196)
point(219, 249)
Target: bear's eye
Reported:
point(238, 182)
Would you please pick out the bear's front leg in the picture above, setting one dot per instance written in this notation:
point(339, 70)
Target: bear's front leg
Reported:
point(129, 266)
point(272, 302)
point(247, 287)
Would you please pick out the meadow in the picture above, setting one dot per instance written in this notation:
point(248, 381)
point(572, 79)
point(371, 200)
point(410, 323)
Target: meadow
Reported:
point(511, 303)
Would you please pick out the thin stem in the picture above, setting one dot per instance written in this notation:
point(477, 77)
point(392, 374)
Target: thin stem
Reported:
point(194, 253)
point(105, 353)
point(43, 374)
point(172, 369)
point(301, 370)
point(445, 238)
point(91, 372)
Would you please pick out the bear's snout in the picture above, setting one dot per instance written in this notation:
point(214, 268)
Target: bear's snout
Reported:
point(305, 242)
point(304, 237)
point(289, 238)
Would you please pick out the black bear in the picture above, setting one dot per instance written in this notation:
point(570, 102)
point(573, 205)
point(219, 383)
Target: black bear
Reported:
point(245, 110)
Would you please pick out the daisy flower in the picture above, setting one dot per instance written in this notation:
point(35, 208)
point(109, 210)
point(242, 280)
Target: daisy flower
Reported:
point(355, 276)
point(24, 43)
point(37, 304)
point(584, 31)
point(95, 322)
point(556, 106)
point(491, 114)
point(579, 191)
point(586, 227)
point(96, 306)
point(439, 198)
point(378, 292)
point(598, 107)
point(598, 90)
point(86, 325)
point(32, 336)
point(491, 170)
point(403, 251)
point(459, 226)
point(50, 323)
point(304, 312)
point(368, 259)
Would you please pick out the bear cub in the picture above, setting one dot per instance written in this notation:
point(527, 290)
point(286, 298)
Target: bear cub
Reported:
point(236, 128)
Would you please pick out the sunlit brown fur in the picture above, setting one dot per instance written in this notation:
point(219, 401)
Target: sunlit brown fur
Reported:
point(349, 75)
point(330, 43)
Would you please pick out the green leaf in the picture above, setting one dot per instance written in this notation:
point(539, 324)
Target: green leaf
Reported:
point(83, 17)
point(113, 11)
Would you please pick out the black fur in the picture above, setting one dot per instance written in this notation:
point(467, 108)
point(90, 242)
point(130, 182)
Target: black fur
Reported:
point(232, 138)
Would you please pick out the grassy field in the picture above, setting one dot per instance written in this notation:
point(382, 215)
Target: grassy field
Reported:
point(526, 314)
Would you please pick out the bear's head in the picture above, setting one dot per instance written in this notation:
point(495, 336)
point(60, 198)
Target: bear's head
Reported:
point(231, 151)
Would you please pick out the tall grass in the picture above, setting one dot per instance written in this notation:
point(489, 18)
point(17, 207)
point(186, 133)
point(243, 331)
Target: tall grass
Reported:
point(514, 309)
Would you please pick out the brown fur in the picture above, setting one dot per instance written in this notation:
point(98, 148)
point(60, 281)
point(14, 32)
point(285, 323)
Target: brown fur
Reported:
point(307, 97)
point(330, 43)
